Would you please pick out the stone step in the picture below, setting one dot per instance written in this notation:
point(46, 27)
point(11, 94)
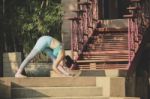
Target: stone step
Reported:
point(106, 52)
point(108, 30)
point(99, 73)
point(102, 60)
point(114, 23)
point(53, 82)
point(129, 16)
point(104, 55)
point(89, 97)
point(55, 91)
point(104, 66)
point(134, 8)
point(105, 58)
point(43, 87)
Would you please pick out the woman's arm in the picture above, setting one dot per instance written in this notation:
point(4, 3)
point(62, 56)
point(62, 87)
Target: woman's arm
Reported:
point(58, 63)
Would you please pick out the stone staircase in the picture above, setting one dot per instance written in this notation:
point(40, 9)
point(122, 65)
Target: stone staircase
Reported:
point(107, 48)
point(63, 88)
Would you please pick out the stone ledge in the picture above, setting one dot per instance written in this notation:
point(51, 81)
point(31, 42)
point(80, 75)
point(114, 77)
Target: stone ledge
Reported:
point(106, 73)
point(112, 86)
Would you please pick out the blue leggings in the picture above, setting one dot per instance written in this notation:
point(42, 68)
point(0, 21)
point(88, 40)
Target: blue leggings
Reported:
point(42, 45)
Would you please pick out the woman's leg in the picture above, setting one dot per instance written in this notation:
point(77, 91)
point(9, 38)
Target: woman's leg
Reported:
point(32, 54)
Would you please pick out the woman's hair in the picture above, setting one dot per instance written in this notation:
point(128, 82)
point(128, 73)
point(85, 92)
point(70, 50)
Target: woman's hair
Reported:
point(70, 63)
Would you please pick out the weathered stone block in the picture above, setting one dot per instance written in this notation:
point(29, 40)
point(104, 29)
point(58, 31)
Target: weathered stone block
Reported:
point(112, 86)
point(12, 57)
point(38, 69)
point(5, 88)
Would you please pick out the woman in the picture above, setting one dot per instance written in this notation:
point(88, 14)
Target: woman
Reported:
point(70, 63)
point(53, 49)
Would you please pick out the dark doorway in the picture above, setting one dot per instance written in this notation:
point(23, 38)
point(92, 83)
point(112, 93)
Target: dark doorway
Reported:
point(122, 5)
point(112, 9)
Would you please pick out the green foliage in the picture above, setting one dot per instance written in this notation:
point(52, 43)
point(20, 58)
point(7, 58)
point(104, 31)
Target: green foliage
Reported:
point(38, 18)
point(29, 19)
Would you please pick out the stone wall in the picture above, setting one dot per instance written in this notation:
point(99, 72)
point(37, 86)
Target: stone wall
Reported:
point(38, 69)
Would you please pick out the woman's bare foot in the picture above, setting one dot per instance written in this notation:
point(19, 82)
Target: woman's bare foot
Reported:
point(20, 76)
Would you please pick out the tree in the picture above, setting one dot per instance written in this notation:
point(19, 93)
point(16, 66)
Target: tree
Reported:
point(24, 21)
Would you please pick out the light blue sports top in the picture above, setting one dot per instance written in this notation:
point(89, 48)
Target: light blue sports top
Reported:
point(43, 45)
